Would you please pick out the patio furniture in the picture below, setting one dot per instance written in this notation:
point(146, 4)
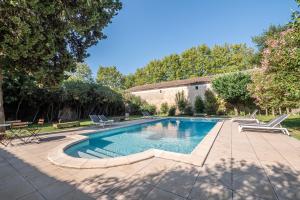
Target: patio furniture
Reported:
point(250, 118)
point(147, 115)
point(34, 131)
point(273, 125)
point(105, 120)
point(4, 138)
point(18, 130)
point(96, 120)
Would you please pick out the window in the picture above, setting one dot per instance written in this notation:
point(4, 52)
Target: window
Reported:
point(196, 87)
point(160, 91)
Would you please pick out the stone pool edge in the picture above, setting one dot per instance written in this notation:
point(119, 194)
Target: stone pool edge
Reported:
point(196, 157)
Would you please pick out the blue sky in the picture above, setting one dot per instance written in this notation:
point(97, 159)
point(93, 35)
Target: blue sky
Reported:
point(151, 29)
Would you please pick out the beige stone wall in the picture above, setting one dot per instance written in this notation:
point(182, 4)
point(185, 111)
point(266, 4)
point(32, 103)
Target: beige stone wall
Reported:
point(159, 96)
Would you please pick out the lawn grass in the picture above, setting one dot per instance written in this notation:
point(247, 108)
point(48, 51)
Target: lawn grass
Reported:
point(48, 127)
point(292, 123)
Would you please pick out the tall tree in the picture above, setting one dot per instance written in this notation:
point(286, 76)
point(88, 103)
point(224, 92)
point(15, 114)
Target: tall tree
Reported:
point(233, 89)
point(82, 72)
point(111, 77)
point(46, 38)
point(195, 62)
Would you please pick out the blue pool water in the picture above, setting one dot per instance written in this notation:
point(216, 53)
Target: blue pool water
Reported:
point(176, 135)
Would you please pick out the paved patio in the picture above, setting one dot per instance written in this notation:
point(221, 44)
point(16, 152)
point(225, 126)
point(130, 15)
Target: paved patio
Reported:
point(239, 166)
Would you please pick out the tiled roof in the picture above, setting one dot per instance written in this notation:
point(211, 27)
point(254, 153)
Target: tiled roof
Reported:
point(168, 84)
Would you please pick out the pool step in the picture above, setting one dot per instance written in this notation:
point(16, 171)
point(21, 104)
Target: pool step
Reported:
point(98, 153)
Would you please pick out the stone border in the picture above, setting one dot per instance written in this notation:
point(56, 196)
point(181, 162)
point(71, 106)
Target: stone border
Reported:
point(196, 157)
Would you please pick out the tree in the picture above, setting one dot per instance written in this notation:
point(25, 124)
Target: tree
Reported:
point(195, 62)
point(164, 108)
point(277, 84)
point(210, 102)
point(46, 38)
point(111, 77)
point(261, 40)
point(181, 101)
point(81, 73)
point(233, 89)
point(199, 105)
point(129, 81)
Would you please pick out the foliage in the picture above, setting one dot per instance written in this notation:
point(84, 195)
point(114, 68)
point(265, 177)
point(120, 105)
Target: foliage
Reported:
point(129, 81)
point(233, 88)
point(278, 82)
point(261, 40)
point(45, 38)
point(111, 77)
point(79, 98)
point(81, 73)
point(181, 101)
point(210, 102)
point(194, 62)
point(164, 108)
point(188, 110)
point(172, 111)
point(149, 108)
point(199, 105)
point(135, 105)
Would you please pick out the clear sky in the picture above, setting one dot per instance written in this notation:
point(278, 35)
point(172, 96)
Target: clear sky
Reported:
point(151, 29)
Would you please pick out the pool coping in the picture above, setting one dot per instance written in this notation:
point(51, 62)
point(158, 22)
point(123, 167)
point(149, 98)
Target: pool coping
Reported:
point(196, 157)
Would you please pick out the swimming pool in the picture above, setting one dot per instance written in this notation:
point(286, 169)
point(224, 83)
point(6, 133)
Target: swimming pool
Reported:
point(172, 134)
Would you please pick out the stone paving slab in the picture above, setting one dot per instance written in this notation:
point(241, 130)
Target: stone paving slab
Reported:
point(247, 165)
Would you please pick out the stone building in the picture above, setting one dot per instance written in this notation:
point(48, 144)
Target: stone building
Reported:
point(164, 92)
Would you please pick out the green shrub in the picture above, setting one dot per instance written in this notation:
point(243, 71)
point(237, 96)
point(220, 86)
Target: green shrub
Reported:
point(164, 108)
point(181, 101)
point(149, 108)
point(199, 105)
point(172, 111)
point(188, 110)
point(211, 104)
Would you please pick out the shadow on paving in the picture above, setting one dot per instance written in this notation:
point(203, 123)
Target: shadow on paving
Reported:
point(21, 180)
point(156, 179)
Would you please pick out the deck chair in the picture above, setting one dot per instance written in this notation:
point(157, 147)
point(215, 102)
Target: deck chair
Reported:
point(273, 125)
point(105, 120)
point(147, 115)
point(5, 140)
point(19, 130)
point(251, 118)
point(96, 120)
point(34, 131)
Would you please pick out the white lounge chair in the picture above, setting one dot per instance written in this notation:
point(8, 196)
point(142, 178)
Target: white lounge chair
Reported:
point(250, 119)
point(105, 120)
point(147, 115)
point(96, 120)
point(269, 126)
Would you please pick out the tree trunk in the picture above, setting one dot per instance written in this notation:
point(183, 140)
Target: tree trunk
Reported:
point(2, 115)
point(267, 111)
point(18, 108)
point(280, 112)
point(273, 111)
point(236, 112)
point(287, 110)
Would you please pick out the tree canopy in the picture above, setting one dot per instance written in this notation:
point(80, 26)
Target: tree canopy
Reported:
point(194, 62)
point(110, 77)
point(46, 38)
point(277, 84)
point(81, 73)
point(233, 88)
